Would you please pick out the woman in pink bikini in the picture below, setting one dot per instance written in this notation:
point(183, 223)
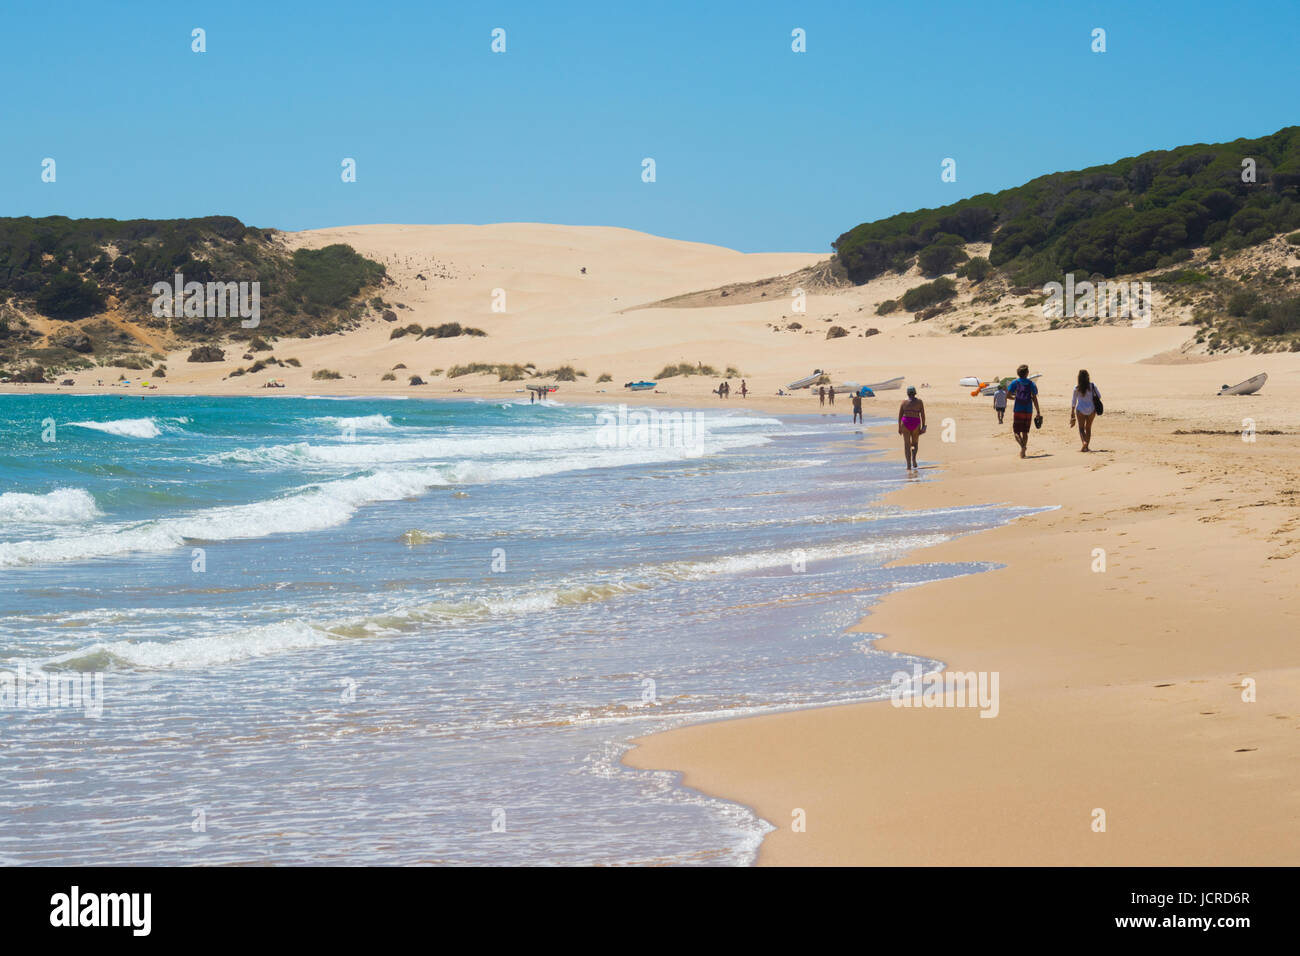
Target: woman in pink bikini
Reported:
point(911, 425)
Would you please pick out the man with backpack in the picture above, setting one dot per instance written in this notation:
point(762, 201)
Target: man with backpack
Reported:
point(1026, 410)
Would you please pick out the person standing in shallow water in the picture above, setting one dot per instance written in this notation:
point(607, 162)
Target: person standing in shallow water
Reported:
point(857, 409)
point(1083, 407)
point(911, 425)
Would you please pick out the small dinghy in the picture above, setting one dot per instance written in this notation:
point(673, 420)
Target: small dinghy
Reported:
point(640, 386)
point(806, 382)
point(1248, 387)
point(887, 384)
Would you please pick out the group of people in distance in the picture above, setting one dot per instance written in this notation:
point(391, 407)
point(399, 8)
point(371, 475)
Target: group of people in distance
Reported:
point(1085, 406)
point(724, 389)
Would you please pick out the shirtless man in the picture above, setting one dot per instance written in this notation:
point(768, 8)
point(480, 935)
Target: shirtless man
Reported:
point(911, 425)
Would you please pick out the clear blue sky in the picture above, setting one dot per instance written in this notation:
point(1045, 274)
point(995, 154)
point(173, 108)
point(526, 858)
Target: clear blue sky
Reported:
point(756, 147)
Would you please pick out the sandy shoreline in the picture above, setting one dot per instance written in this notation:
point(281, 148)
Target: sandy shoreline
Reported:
point(1123, 692)
point(1120, 690)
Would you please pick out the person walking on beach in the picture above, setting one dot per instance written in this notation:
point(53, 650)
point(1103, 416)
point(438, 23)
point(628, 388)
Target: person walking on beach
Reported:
point(1026, 408)
point(857, 409)
point(744, 390)
point(911, 425)
point(1000, 401)
point(1084, 407)
point(821, 393)
point(830, 394)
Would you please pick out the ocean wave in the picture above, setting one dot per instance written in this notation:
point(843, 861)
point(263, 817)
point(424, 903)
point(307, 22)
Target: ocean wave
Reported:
point(192, 652)
point(666, 437)
point(311, 508)
point(358, 422)
point(297, 635)
point(327, 504)
point(123, 427)
point(61, 506)
point(794, 557)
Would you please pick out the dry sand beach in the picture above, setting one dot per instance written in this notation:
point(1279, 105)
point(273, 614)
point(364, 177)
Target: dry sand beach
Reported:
point(1121, 690)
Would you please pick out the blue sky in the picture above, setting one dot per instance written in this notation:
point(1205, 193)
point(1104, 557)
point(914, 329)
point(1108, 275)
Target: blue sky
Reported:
point(756, 147)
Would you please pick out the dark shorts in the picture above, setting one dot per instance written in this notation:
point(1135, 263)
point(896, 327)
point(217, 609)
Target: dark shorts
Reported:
point(1021, 421)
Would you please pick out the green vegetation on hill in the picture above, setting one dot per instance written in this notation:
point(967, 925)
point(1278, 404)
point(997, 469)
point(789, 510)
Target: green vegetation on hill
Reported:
point(329, 279)
point(1133, 215)
point(66, 268)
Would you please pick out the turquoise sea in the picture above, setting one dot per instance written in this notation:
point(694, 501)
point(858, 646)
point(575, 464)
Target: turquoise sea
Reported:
point(380, 631)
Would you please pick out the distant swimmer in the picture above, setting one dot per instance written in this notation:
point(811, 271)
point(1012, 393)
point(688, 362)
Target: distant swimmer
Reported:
point(911, 425)
point(1026, 410)
point(1085, 406)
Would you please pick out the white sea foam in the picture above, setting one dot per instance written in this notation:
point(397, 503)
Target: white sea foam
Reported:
point(298, 635)
point(315, 507)
point(515, 444)
point(123, 427)
point(194, 652)
point(766, 560)
point(61, 506)
point(358, 422)
point(311, 508)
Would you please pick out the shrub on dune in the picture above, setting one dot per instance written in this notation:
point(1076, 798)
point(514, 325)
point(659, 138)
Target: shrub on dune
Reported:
point(565, 373)
point(932, 293)
point(510, 373)
point(686, 368)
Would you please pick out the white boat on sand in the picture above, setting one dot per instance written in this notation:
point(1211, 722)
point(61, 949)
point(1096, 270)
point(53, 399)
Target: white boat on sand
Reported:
point(886, 385)
point(806, 382)
point(1248, 387)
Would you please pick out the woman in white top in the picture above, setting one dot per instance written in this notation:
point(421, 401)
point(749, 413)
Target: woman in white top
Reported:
point(1083, 408)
